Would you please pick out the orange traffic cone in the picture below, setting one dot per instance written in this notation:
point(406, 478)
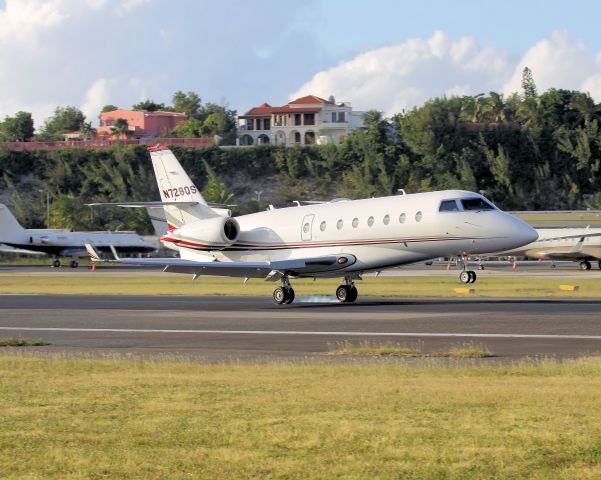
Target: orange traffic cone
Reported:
point(93, 267)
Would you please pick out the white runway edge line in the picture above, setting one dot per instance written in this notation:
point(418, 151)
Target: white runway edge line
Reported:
point(284, 332)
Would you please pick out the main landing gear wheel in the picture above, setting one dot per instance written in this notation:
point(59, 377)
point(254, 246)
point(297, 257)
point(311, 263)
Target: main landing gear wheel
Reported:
point(467, 276)
point(56, 263)
point(346, 293)
point(74, 264)
point(585, 265)
point(599, 264)
point(283, 295)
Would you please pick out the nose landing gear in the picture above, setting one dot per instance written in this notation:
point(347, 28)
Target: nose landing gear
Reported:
point(466, 276)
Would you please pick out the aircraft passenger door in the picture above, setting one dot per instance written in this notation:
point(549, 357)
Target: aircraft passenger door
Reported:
point(307, 227)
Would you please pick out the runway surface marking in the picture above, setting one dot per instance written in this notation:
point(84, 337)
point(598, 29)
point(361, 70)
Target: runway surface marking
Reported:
point(305, 333)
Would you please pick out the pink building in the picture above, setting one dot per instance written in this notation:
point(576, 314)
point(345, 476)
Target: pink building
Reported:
point(141, 123)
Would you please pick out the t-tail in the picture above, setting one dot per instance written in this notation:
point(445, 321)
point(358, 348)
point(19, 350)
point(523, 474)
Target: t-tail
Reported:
point(175, 186)
point(9, 226)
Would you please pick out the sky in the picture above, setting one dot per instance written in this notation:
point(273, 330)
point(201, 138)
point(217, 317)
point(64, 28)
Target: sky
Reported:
point(378, 54)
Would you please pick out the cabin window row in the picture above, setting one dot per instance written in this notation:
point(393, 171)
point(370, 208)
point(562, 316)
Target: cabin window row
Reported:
point(370, 221)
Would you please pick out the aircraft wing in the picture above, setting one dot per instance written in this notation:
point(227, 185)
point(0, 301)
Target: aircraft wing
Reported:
point(267, 270)
point(581, 236)
point(560, 218)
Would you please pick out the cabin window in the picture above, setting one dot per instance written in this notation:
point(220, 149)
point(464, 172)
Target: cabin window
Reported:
point(322, 226)
point(370, 221)
point(448, 206)
point(339, 224)
point(386, 219)
point(402, 218)
point(418, 217)
point(476, 204)
point(355, 222)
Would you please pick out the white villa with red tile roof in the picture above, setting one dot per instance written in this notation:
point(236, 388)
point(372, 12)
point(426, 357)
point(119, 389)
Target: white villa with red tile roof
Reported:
point(304, 121)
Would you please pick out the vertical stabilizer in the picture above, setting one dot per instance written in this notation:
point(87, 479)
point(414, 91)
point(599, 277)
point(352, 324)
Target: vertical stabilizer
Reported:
point(9, 227)
point(175, 186)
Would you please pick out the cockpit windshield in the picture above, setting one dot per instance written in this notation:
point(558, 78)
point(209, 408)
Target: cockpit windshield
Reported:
point(471, 204)
point(448, 206)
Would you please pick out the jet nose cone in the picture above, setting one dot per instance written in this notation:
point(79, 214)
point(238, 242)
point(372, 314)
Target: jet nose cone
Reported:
point(523, 233)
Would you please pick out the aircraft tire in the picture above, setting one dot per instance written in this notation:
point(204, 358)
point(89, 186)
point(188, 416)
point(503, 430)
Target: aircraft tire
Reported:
point(585, 265)
point(56, 263)
point(74, 264)
point(599, 264)
point(465, 277)
point(352, 295)
point(473, 276)
point(279, 296)
point(342, 293)
point(289, 292)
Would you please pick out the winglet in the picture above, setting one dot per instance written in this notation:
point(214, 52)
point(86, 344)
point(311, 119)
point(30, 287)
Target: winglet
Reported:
point(114, 250)
point(92, 253)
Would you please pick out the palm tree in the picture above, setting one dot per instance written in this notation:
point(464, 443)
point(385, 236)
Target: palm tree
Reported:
point(120, 128)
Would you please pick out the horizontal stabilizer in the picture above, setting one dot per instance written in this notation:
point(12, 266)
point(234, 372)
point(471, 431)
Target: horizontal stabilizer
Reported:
point(141, 204)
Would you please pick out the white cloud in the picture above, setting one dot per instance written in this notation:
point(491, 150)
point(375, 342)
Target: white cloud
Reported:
point(404, 75)
point(556, 62)
point(400, 76)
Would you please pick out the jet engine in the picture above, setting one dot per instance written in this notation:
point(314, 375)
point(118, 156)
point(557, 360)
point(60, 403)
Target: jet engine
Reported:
point(215, 233)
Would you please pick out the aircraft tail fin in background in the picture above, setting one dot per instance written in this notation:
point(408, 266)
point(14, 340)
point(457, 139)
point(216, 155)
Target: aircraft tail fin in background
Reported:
point(175, 186)
point(9, 226)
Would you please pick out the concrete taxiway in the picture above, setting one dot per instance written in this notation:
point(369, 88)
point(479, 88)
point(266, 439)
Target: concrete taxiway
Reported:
point(252, 328)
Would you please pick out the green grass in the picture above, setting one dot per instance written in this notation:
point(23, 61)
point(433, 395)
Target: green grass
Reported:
point(152, 283)
point(21, 342)
point(392, 349)
point(72, 419)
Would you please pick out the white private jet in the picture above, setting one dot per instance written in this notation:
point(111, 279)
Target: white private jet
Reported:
point(63, 243)
point(339, 239)
point(581, 245)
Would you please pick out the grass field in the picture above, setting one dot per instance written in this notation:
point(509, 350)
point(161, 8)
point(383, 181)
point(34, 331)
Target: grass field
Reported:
point(153, 283)
point(93, 419)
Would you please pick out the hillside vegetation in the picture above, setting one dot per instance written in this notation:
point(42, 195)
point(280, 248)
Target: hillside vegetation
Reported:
point(524, 152)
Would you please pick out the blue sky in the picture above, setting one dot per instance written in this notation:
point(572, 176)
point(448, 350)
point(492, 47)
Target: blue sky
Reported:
point(389, 55)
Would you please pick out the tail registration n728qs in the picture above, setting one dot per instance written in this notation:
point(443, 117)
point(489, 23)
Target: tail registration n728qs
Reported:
point(344, 238)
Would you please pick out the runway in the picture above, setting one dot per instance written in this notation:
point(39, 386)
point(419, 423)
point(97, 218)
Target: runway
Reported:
point(252, 328)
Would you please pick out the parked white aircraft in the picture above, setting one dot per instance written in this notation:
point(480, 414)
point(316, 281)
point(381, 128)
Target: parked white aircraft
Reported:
point(577, 244)
point(63, 243)
point(339, 239)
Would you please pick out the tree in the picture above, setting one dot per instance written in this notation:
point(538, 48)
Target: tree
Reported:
point(150, 106)
point(68, 211)
point(528, 85)
point(187, 103)
point(109, 108)
point(18, 128)
point(65, 119)
point(87, 131)
point(120, 128)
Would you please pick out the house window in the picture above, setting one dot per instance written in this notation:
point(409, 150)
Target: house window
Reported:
point(309, 119)
point(341, 118)
point(249, 124)
point(267, 124)
point(298, 119)
point(297, 137)
point(258, 120)
point(333, 117)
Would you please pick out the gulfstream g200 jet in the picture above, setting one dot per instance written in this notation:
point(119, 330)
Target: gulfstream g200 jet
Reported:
point(338, 239)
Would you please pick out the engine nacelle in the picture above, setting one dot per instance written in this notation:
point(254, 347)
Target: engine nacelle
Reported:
point(215, 233)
